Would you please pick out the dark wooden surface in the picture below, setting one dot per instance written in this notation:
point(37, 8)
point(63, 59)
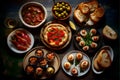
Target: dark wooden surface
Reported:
point(11, 63)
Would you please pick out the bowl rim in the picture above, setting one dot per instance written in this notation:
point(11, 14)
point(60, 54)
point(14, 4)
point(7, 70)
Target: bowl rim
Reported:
point(68, 14)
point(37, 3)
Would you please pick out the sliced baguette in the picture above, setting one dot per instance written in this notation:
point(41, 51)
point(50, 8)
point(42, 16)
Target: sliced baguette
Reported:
point(97, 14)
point(80, 17)
point(93, 5)
point(83, 8)
point(109, 33)
point(104, 59)
point(96, 66)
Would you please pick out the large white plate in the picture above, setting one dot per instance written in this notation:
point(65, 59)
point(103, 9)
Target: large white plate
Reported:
point(110, 53)
point(11, 45)
point(80, 72)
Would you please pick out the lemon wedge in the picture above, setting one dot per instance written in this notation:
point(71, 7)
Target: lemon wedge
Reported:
point(72, 25)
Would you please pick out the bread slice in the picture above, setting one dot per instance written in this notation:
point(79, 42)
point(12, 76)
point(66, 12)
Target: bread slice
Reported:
point(94, 17)
point(104, 59)
point(79, 16)
point(97, 14)
point(93, 5)
point(83, 8)
point(109, 33)
point(96, 66)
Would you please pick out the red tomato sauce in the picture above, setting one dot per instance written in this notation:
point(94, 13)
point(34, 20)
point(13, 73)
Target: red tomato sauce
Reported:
point(55, 35)
point(33, 15)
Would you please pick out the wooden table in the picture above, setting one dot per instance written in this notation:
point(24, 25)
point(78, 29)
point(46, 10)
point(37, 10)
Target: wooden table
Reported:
point(11, 63)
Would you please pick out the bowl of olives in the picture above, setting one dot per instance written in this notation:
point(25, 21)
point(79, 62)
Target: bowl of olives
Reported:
point(61, 10)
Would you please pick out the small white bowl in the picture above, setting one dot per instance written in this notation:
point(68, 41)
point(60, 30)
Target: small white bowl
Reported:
point(111, 53)
point(32, 4)
point(11, 45)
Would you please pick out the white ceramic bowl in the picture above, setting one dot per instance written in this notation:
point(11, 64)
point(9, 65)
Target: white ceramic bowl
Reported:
point(11, 45)
point(111, 53)
point(35, 4)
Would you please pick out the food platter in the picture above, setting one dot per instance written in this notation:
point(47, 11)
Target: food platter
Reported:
point(88, 13)
point(12, 46)
point(71, 44)
point(90, 34)
point(55, 63)
point(76, 64)
point(58, 47)
point(110, 52)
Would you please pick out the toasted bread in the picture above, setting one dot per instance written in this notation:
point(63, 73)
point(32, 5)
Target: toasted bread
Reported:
point(80, 17)
point(83, 8)
point(97, 14)
point(94, 17)
point(93, 5)
point(109, 33)
point(96, 66)
point(104, 59)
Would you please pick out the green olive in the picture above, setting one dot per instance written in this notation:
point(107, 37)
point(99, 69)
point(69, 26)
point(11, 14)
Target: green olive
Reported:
point(55, 6)
point(68, 8)
point(60, 5)
point(61, 9)
point(62, 13)
point(57, 9)
point(56, 13)
point(64, 16)
point(66, 13)
point(59, 15)
point(63, 3)
point(66, 4)
point(57, 3)
point(54, 9)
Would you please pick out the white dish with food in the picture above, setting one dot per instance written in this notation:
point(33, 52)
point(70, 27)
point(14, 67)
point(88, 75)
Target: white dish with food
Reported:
point(32, 14)
point(102, 59)
point(76, 63)
point(20, 40)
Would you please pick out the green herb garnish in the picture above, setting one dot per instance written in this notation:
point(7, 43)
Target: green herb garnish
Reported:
point(88, 39)
point(76, 62)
